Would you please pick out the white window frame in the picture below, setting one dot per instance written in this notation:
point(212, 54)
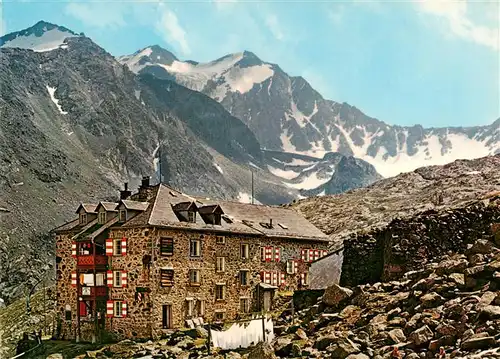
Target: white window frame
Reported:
point(245, 251)
point(197, 275)
point(197, 252)
point(118, 308)
point(220, 264)
point(117, 279)
point(101, 217)
point(290, 266)
point(306, 278)
point(244, 305)
point(222, 313)
point(190, 307)
point(307, 255)
point(220, 240)
point(223, 292)
point(117, 243)
point(201, 307)
point(246, 271)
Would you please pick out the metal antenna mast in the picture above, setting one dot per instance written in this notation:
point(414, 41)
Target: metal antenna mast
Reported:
point(252, 186)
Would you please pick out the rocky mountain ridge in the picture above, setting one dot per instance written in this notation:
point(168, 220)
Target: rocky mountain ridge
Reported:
point(287, 114)
point(427, 188)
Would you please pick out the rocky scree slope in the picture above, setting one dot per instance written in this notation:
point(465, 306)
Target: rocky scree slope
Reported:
point(76, 124)
point(287, 114)
point(403, 196)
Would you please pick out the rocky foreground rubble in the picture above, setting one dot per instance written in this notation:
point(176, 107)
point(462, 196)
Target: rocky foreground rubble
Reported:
point(448, 309)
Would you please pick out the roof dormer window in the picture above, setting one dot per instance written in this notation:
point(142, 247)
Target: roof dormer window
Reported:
point(123, 215)
point(102, 217)
point(83, 219)
point(185, 211)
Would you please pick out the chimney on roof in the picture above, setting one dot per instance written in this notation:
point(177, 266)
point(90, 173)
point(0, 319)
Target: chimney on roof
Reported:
point(145, 181)
point(125, 193)
point(270, 222)
point(145, 190)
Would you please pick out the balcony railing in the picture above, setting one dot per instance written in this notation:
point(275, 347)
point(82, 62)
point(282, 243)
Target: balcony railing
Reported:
point(91, 260)
point(100, 291)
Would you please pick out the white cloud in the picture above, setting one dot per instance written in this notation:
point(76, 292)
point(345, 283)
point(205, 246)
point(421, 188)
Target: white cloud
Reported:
point(97, 14)
point(458, 22)
point(170, 29)
point(274, 26)
point(3, 25)
point(224, 4)
point(336, 15)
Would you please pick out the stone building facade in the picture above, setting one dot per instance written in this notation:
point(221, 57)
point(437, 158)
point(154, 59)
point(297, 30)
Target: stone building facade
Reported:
point(160, 259)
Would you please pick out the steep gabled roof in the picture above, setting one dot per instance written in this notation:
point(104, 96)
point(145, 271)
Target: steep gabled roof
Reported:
point(135, 205)
point(88, 207)
point(210, 209)
point(108, 206)
point(243, 218)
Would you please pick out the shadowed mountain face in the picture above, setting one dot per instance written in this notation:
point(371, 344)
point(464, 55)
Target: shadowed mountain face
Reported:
point(286, 114)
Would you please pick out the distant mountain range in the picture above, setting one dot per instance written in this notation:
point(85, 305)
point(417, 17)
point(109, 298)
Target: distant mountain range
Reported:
point(286, 114)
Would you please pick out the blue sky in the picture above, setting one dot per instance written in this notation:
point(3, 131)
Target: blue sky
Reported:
point(434, 63)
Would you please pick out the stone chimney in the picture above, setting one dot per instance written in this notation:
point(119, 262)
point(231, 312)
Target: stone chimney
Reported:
point(145, 190)
point(125, 193)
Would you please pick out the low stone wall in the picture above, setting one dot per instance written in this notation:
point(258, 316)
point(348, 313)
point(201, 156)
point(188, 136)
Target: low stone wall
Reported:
point(408, 244)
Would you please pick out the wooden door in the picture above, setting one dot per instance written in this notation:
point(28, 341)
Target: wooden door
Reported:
point(167, 316)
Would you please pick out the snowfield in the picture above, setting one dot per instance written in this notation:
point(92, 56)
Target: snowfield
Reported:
point(50, 40)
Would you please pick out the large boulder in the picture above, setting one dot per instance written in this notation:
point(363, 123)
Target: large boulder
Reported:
point(421, 336)
point(336, 294)
point(479, 343)
point(262, 350)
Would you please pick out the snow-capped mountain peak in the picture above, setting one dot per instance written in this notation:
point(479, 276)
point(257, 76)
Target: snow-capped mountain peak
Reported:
point(287, 114)
point(239, 72)
point(43, 36)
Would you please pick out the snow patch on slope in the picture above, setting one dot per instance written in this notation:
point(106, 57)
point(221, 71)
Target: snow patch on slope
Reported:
point(243, 80)
point(428, 152)
point(52, 91)
point(219, 168)
point(50, 40)
point(246, 198)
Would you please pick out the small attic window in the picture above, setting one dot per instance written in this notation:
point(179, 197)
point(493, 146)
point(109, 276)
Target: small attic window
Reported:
point(227, 219)
point(83, 219)
point(266, 225)
point(282, 226)
point(247, 222)
point(191, 216)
